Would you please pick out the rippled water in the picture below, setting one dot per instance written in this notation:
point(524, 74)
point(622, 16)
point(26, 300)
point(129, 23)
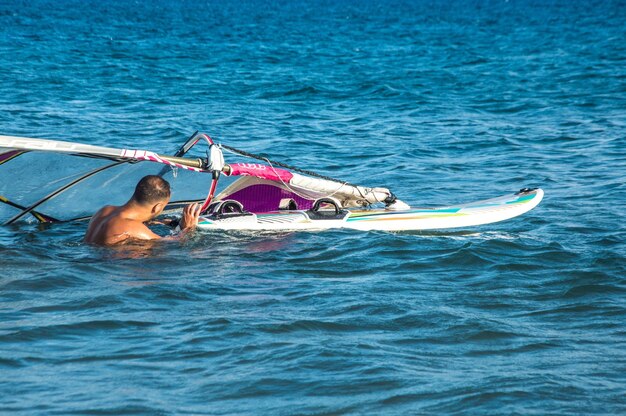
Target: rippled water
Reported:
point(442, 102)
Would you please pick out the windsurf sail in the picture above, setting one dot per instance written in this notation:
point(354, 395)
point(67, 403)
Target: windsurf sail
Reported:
point(49, 180)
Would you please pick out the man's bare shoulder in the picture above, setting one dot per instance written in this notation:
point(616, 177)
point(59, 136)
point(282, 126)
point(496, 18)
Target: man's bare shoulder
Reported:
point(110, 226)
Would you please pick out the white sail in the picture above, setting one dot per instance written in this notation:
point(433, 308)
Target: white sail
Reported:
point(348, 195)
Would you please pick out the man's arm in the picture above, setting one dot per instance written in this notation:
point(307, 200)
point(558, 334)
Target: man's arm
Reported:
point(188, 222)
point(139, 231)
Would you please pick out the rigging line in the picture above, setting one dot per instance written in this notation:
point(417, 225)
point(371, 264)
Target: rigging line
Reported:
point(38, 215)
point(341, 185)
point(284, 165)
point(61, 190)
point(176, 205)
point(306, 172)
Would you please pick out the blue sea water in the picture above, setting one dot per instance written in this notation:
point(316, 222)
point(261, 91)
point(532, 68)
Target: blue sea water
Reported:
point(441, 101)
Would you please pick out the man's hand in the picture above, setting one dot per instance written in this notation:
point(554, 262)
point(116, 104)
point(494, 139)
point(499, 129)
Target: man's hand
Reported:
point(190, 216)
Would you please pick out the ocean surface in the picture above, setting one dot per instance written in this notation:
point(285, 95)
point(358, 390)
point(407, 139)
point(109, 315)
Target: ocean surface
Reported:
point(441, 101)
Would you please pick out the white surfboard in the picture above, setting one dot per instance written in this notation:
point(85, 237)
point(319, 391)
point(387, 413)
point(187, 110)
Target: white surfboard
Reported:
point(458, 216)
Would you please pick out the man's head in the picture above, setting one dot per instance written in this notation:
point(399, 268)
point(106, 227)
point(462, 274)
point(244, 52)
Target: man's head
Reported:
point(152, 192)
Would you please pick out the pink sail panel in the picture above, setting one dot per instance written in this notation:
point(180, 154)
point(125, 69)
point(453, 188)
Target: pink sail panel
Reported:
point(260, 171)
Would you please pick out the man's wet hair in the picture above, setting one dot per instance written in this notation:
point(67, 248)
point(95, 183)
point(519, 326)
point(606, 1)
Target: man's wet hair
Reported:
point(151, 189)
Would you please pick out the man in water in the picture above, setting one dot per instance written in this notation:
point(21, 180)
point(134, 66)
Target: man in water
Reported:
point(113, 225)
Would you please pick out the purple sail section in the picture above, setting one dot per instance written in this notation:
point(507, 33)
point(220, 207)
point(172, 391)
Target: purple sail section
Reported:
point(9, 155)
point(266, 198)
